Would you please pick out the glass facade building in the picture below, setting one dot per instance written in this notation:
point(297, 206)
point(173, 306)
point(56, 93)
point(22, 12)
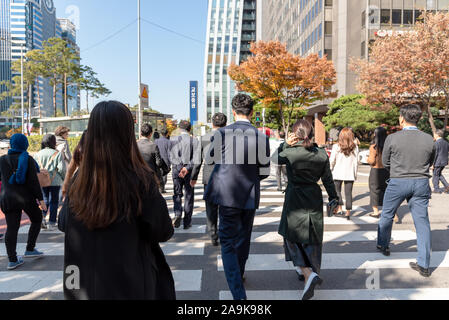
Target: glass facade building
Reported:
point(27, 24)
point(231, 27)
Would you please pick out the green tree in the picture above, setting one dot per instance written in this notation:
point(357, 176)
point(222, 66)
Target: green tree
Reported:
point(424, 124)
point(87, 80)
point(273, 119)
point(347, 111)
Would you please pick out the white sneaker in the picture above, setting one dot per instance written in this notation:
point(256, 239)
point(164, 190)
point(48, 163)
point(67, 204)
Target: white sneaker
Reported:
point(309, 289)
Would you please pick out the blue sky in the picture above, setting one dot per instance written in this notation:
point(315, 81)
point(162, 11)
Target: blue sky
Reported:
point(169, 61)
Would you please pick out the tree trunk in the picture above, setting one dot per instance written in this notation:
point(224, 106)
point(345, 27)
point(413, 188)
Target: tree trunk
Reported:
point(39, 99)
point(446, 116)
point(30, 96)
point(87, 100)
point(431, 119)
point(54, 100)
point(281, 113)
point(66, 110)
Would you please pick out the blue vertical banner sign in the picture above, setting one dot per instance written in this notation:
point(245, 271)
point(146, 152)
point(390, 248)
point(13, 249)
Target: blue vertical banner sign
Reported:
point(193, 102)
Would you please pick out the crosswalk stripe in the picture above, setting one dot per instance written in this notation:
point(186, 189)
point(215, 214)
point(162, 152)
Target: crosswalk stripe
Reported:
point(169, 249)
point(397, 260)
point(338, 236)
point(348, 294)
point(51, 281)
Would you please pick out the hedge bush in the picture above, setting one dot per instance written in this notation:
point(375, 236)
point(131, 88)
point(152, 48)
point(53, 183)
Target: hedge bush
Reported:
point(35, 143)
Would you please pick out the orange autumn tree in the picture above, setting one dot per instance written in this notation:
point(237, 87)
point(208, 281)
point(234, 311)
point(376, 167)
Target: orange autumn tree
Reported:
point(282, 81)
point(408, 67)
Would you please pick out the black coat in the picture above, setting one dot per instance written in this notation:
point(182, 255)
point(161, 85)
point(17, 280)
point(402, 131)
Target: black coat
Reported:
point(165, 146)
point(123, 261)
point(14, 198)
point(208, 165)
point(237, 184)
point(441, 153)
point(151, 155)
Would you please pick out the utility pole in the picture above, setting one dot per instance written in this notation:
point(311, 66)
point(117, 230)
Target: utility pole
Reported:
point(139, 61)
point(21, 88)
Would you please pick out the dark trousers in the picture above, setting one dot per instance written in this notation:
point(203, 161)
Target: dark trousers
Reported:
point(51, 198)
point(437, 177)
point(235, 230)
point(212, 218)
point(281, 173)
point(417, 192)
point(163, 183)
point(13, 220)
point(349, 185)
point(180, 184)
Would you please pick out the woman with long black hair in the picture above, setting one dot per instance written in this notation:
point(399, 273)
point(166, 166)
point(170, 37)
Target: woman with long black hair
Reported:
point(378, 176)
point(114, 217)
point(302, 224)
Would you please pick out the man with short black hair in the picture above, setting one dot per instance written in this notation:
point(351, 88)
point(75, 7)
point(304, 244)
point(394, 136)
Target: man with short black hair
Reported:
point(219, 120)
point(164, 145)
point(441, 161)
point(242, 159)
point(408, 155)
point(184, 163)
point(150, 152)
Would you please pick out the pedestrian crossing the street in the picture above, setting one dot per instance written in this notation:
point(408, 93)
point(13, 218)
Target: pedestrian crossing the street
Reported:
point(351, 266)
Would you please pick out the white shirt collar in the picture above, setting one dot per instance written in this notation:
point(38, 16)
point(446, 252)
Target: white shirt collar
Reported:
point(243, 120)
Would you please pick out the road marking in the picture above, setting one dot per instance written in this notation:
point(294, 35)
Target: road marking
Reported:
point(348, 294)
point(338, 236)
point(187, 280)
point(397, 260)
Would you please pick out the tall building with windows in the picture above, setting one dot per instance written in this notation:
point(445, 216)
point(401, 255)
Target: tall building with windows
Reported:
point(339, 30)
point(27, 24)
point(5, 49)
point(68, 33)
point(231, 27)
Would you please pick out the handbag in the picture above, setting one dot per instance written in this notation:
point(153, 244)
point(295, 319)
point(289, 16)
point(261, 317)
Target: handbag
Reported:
point(44, 176)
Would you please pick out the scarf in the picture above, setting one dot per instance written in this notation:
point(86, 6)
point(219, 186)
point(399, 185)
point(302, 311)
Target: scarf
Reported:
point(19, 145)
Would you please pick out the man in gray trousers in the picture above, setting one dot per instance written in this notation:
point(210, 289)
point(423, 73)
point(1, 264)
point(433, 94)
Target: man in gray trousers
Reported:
point(408, 155)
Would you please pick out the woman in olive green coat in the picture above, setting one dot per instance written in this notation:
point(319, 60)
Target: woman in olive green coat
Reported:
point(302, 217)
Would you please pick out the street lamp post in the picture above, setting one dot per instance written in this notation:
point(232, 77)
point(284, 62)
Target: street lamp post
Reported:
point(21, 88)
point(139, 71)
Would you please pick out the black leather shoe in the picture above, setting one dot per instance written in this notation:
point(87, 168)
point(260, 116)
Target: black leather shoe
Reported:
point(187, 227)
point(421, 270)
point(177, 222)
point(385, 251)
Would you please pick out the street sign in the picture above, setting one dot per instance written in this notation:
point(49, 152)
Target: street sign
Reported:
point(144, 96)
point(193, 102)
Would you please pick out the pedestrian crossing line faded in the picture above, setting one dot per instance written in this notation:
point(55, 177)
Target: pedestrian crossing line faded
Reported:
point(347, 294)
point(352, 261)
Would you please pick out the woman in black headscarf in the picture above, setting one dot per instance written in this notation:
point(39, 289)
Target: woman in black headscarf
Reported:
point(21, 191)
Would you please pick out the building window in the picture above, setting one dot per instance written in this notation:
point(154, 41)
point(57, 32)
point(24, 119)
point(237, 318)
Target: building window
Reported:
point(328, 53)
point(396, 16)
point(385, 16)
point(408, 16)
point(328, 3)
point(363, 51)
point(363, 19)
point(328, 28)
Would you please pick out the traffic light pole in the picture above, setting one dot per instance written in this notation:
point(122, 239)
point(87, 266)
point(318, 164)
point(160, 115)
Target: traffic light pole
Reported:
point(139, 61)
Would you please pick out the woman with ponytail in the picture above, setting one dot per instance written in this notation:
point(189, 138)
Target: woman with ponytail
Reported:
point(302, 216)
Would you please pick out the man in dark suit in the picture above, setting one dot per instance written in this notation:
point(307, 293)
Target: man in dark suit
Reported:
point(242, 159)
point(219, 120)
point(441, 161)
point(185, 158)
point(150, 152)
point(164, 145)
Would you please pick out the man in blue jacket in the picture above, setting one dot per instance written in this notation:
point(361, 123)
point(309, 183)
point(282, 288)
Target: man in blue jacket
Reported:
point(242, 159)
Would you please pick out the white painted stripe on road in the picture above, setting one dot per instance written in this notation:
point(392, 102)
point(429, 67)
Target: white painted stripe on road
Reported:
point(193, 229)
point(187, 280)
point(397, 260)
point(183, 248)
point(25, 229)
point(348, 294)
point(31, 281)
point(51, 281)
point(170, 249)
point(338, 236)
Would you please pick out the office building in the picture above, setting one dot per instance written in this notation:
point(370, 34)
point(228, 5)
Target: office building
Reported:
point(340, 30)
point(231, 27)
point(27, 24)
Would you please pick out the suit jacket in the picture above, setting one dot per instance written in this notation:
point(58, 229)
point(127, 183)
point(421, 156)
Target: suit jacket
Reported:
point(242, 159)
point(441, 153)
point(152, 157)
point(164, 146)
point(209, 165)
point(186, 153)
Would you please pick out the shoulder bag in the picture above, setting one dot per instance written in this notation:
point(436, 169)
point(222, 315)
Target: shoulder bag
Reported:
point(44, 176)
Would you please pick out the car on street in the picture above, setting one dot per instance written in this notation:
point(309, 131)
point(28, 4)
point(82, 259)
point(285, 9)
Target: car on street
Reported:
point(363, 157)
point(4, 144)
